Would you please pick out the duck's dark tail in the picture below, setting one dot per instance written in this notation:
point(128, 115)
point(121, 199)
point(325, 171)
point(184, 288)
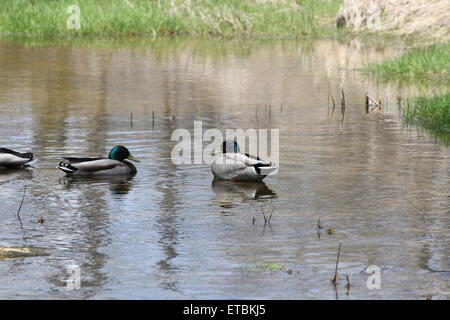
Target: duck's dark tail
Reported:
point(30, 157)
point(264, 169)
point(67, 167)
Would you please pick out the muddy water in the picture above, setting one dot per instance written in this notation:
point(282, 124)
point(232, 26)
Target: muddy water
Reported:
point(170, 232)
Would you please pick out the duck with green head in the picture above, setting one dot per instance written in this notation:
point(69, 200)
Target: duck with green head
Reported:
point(231, 164)
point(115, 164)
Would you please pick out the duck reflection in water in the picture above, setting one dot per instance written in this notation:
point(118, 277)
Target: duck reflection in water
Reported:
point(232, 193)
point(118, 185)
point(13, 175)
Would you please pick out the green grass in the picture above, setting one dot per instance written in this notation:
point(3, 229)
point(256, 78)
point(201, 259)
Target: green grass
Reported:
point(432, 62)
point(106, 18)
point(424, 66)
point(432, 113)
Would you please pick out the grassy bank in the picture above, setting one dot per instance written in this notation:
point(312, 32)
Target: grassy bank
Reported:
point(431, 62)
point(48, 18)
point(432, 113)
point(424, 65)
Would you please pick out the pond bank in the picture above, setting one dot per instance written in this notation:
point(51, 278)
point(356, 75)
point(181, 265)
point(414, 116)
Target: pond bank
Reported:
point(425, 18)
point(138, 17)
point(425, 21)
point(425, 66)
point(431, 62)
point(432, 113)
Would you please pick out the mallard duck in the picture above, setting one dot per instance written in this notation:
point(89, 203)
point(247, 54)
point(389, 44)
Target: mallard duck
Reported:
point(10, 159)
point(231, 164)
point(115, 164)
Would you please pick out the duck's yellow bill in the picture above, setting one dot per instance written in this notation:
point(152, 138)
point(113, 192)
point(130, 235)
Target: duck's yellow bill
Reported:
point(214, 152)
point(130, 157)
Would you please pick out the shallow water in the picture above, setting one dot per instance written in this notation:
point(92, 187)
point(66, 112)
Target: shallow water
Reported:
point(170, 232)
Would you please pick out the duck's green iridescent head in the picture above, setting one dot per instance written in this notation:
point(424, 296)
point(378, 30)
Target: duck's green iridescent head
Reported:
point(230, 146)
point(120, 153)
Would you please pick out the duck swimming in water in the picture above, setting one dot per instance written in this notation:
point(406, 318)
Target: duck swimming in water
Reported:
point(10, 159)
point(231, 164)
point(115, 164)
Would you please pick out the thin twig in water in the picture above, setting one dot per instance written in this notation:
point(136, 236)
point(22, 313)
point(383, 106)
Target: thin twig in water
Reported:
point(334, 106)
point(336, 292)
point(318, 227)
point(264, 216)
point(328, 105)
point(334, 280)
point(153, 119)
point(270, 216)
point(21, 203)
point(18, 214)
point(367, 103)
point(131, 119)
point(266, 221)
point(347, 285)
point(342, 105)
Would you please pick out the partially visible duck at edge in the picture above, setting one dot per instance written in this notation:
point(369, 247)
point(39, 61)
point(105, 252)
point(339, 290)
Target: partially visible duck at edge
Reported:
point(10, 159)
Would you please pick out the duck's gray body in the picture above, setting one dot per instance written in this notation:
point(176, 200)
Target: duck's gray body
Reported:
point(10, 159)
point(236, 166)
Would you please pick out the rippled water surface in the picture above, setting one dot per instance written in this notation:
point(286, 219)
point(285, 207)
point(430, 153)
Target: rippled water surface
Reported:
point(170, 232)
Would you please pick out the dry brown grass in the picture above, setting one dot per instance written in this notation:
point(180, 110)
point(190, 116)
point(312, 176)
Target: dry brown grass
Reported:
point(428, 18)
